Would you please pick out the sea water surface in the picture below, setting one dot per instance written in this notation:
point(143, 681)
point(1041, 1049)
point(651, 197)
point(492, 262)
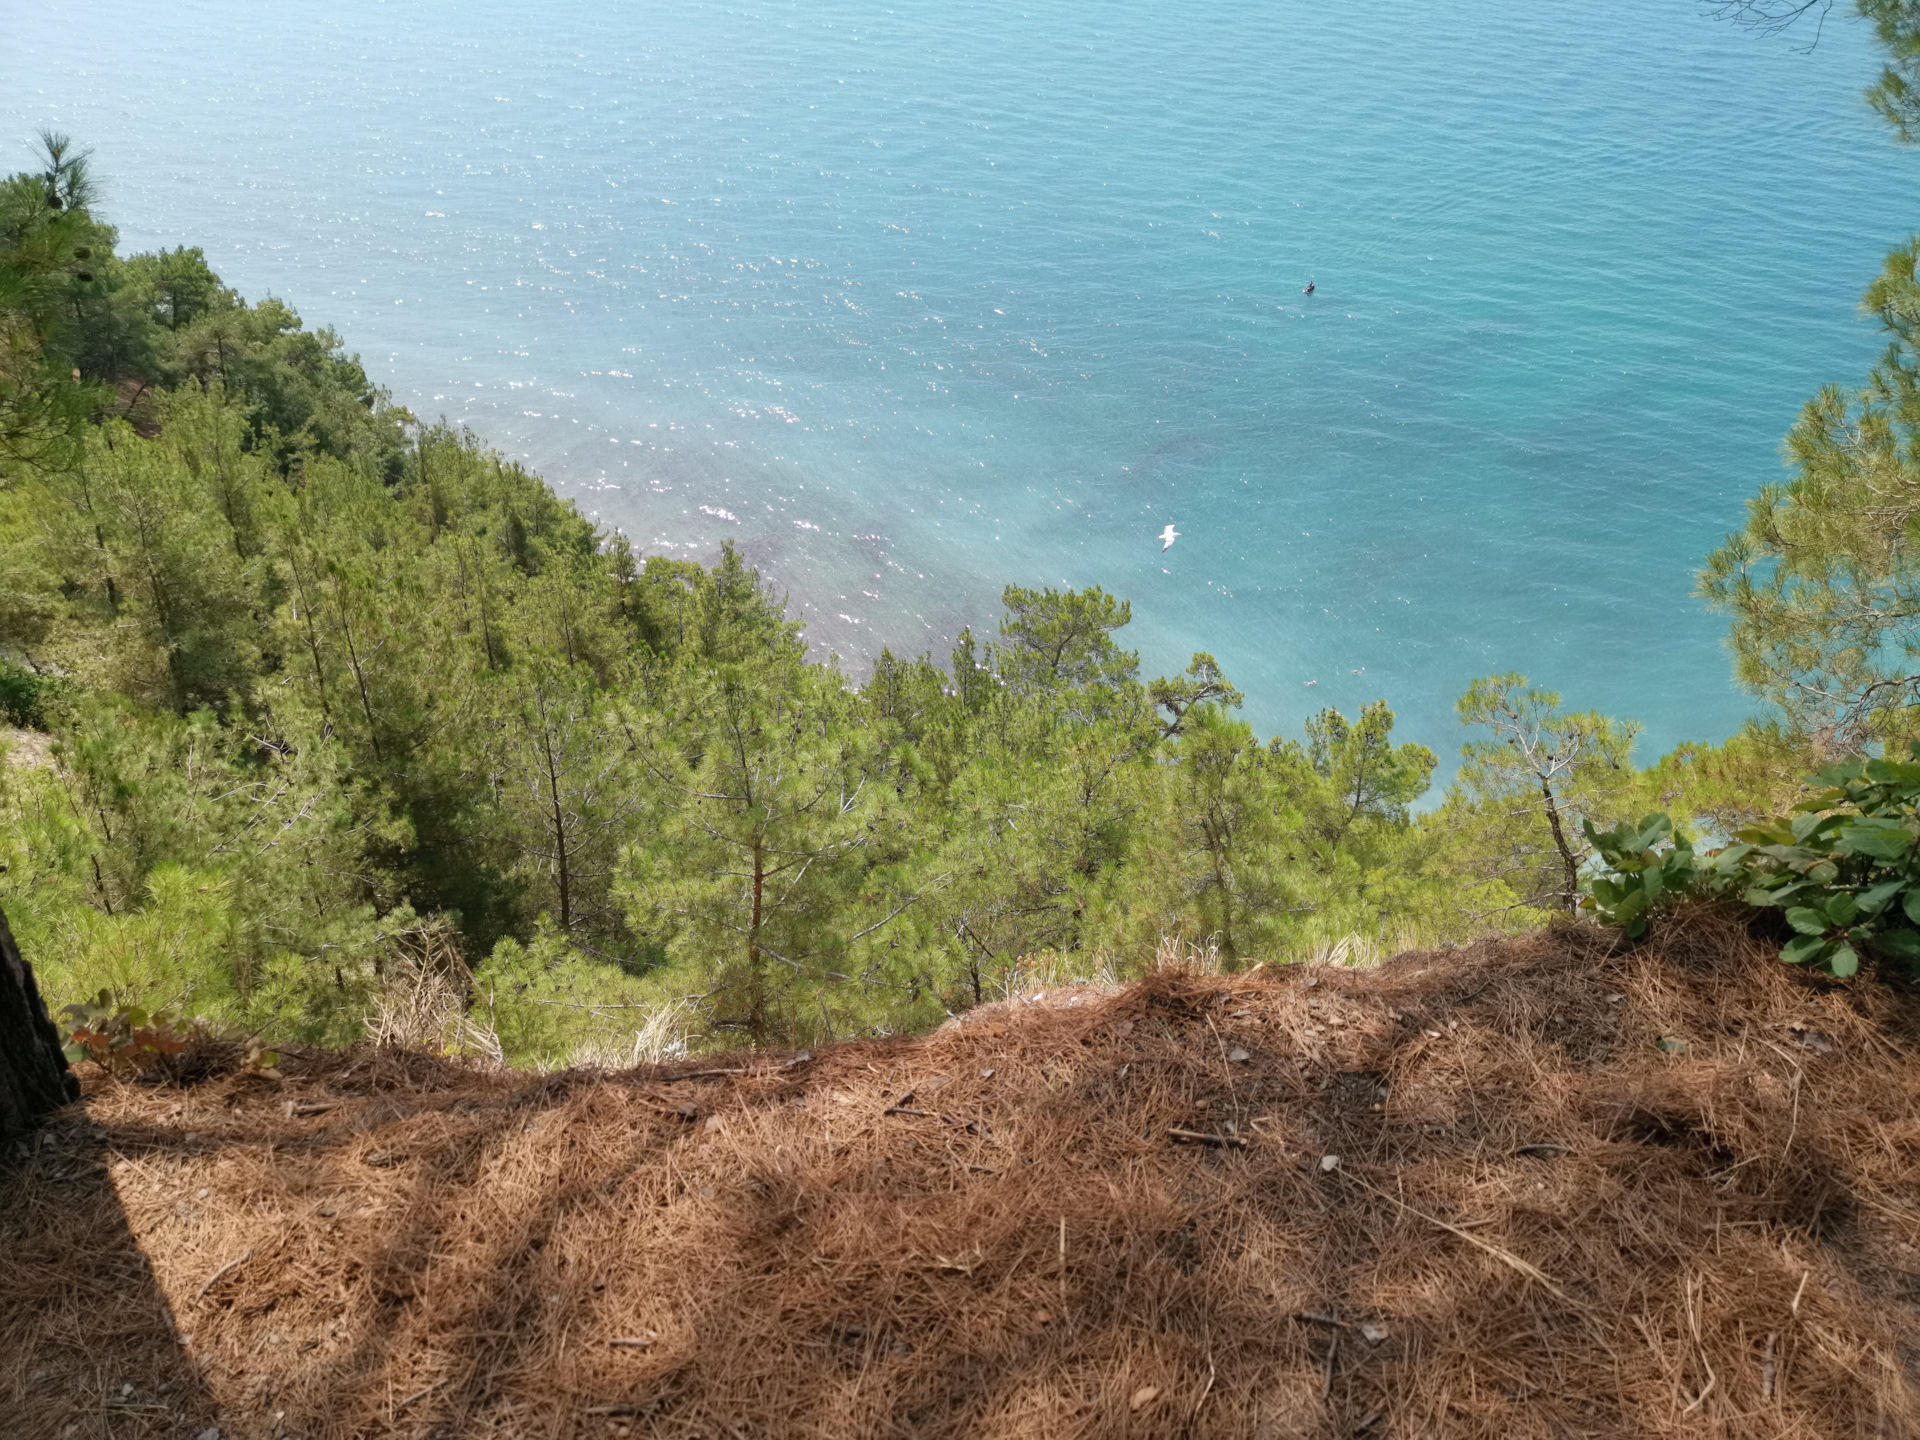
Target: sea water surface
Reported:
point(912, 300)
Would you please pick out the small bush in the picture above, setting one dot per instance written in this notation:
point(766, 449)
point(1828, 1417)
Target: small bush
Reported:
point(23, 695)
point(1640, 864)
point(121, 1038)
point(1841, 867)
point(130, 1040)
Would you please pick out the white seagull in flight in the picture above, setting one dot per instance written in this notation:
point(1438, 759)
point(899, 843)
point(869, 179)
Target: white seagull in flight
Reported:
point(1167, 537)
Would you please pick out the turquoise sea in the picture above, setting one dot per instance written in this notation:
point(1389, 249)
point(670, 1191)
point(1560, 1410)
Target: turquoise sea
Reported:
point(915, 299)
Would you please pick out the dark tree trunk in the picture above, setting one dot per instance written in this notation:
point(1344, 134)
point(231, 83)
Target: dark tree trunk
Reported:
point(34, 1077)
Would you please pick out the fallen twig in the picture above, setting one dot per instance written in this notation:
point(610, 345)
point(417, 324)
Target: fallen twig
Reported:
point(1546, 1149)
point(636, 1342)
point(801, 1059)
point(214, 1279)
point(1315, 1318)
point(1202, 1137)
point(974, 1125)
point(1205, 1391)
point(1063, 1270)
point(1505, 1257)
point(310, 1107)
point(420, 1394)
point(1696, 1286)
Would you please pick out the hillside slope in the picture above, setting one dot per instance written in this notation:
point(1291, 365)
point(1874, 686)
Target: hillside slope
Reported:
point(1579, 1190)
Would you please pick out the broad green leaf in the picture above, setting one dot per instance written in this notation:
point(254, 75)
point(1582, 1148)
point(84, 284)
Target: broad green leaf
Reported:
point(1910, 903)
point(1825, 873)
point(1903, 943)
point(1671, 1044)
point(1842, 909)
point(1803, 826)
point(1808, 922)
point(1631, 904)
point(1803, 948)
point(1651, 881)
point(1843, 962)
point(1881, 839)
point(1873, 901)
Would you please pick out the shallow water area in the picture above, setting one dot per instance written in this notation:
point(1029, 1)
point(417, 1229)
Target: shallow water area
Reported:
point(915, 301)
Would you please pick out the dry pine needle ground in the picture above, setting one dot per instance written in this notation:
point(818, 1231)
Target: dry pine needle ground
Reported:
point(1579, 1190)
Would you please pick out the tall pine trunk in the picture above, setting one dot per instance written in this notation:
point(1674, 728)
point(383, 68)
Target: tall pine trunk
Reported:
point(34, 1077)
point(757, 990)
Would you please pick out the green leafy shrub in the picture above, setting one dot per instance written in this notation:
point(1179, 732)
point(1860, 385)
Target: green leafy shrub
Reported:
point(130, 1039)
point(1841, 867)
point(1638, 873)
point(22, 696)
point(1845, 878)
point(118, 1037)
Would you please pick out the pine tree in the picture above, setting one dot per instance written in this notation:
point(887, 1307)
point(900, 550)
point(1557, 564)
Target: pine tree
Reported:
point(558, 763)
point(764, 807)
point(1231, 808)
point(1529, 788)
point(1053, 640)
point(1821, 587)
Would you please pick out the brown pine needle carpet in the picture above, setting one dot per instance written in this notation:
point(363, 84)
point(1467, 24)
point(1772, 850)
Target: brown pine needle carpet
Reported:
point(1555, 1187)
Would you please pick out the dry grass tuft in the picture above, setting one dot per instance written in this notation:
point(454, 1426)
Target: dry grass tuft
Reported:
point(660, 1037)
point(422, 1000)
point(1579, 1190)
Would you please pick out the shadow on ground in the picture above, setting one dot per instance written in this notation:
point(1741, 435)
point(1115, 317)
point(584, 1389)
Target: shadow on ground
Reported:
point(88, 1345)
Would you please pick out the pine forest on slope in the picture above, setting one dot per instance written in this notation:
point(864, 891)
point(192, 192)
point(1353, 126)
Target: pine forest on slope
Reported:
point(319, 707)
